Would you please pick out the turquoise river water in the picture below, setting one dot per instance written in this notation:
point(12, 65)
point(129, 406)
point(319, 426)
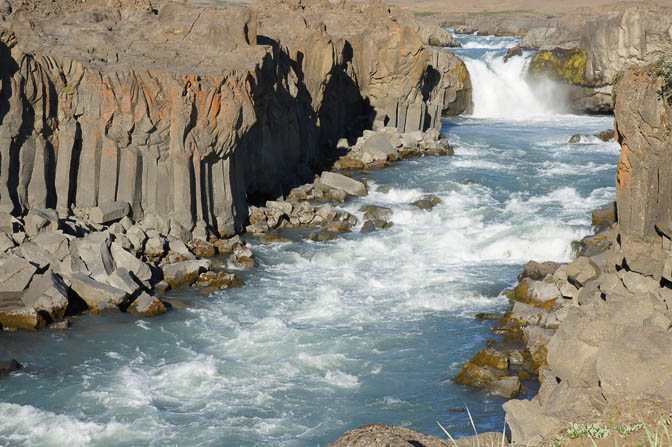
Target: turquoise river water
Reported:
point(328, 336)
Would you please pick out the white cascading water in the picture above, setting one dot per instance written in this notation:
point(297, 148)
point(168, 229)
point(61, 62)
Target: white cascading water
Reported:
point(501, 90)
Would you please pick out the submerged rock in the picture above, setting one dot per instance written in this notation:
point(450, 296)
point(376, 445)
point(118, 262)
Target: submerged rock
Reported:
point(9, 366)
point(427, 202)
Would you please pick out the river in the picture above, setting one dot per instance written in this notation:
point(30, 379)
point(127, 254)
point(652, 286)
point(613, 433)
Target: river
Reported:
point(327, 336)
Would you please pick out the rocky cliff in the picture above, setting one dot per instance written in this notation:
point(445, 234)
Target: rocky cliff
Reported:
point(587, 49)
point(498, 24)
point(603, 323)
point(184, 111)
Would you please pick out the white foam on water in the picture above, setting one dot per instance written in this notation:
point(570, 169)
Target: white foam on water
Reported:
point(341, 379)
point(501, 90)
point(30, 426)
point(549, 168)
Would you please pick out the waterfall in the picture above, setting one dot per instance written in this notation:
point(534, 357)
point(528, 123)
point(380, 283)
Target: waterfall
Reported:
point(501, 90)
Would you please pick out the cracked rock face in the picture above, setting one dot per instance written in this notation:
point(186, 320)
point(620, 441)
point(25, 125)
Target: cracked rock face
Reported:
point(643, 183)
point(182, 111)
point(608, 40)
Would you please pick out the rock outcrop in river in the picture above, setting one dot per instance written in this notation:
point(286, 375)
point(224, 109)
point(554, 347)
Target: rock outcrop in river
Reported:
point(587, 49)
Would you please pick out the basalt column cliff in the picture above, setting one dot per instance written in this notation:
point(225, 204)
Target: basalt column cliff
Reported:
point(182, 111)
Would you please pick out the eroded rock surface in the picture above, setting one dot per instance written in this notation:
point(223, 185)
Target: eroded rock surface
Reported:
point(182, 110)
point(587, 49)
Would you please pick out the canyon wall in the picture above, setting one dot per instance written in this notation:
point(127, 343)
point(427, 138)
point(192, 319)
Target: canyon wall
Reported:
point(644, 178)
point(587, 49)
point(186, 111)
point(602, 325)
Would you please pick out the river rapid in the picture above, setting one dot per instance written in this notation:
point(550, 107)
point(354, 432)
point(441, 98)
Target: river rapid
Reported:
point(328, 336)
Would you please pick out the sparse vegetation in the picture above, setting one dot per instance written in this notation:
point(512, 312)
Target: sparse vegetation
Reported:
point(502, 12)
point(664, 74)
point(659, 438)
point(424, 13)
point(477, 441)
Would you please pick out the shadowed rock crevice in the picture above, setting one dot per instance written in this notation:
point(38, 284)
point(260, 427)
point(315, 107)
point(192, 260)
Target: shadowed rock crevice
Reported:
point(187, 112)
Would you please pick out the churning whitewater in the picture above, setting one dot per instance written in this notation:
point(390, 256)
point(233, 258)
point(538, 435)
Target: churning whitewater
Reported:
point(328, 336)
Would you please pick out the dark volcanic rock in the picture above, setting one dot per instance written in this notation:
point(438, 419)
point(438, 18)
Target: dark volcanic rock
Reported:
point(9, 366)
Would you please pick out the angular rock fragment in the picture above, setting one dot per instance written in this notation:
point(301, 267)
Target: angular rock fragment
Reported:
point(93, 292)
point(37, 256)
point(109, 212)
point(38, 220)
point(343, 183)
point(56, 243)
point(379, 148)
point(94, 250)
point(184, 273)
point(15, 275)
point(124, 259)
point(47, 293)
point(146, 306)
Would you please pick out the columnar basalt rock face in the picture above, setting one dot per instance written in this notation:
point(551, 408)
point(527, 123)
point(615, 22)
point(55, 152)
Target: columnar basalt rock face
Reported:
point(609, 40)
point(182, 111)
point(644, 180)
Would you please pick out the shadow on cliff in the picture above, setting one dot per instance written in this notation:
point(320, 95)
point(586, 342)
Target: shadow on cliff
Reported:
point(296, 133)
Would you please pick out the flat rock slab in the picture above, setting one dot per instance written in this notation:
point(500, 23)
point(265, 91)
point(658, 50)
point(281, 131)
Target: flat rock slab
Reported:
point(20, 317)
point(109, 212)
point(94, 292)
point(15, 274)
point(346, 184)
point(379, 147)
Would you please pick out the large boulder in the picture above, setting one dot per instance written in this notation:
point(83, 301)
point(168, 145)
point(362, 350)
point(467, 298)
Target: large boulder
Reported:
point(528, 424)
point(379, 148)
point(15, 275)
point(47, 293)
point(56, 243)
point(637, 364)
point(94, 250)
point(146, 306)
point(37, 255)
point(185, 273)
point(94, 293)
point(124, 259)
point(538, 270)
point(378, 435)
point(109, 212)
point(346, 184)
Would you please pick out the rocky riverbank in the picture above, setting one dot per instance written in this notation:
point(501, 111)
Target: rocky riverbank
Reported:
point(99, 260)
point(597, 331)
point(134, 137)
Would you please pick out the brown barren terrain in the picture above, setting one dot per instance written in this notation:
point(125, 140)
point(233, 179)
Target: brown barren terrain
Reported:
point(494, 7)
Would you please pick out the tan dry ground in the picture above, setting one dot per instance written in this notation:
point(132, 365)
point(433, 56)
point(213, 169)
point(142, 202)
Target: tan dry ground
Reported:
point(488, 7)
